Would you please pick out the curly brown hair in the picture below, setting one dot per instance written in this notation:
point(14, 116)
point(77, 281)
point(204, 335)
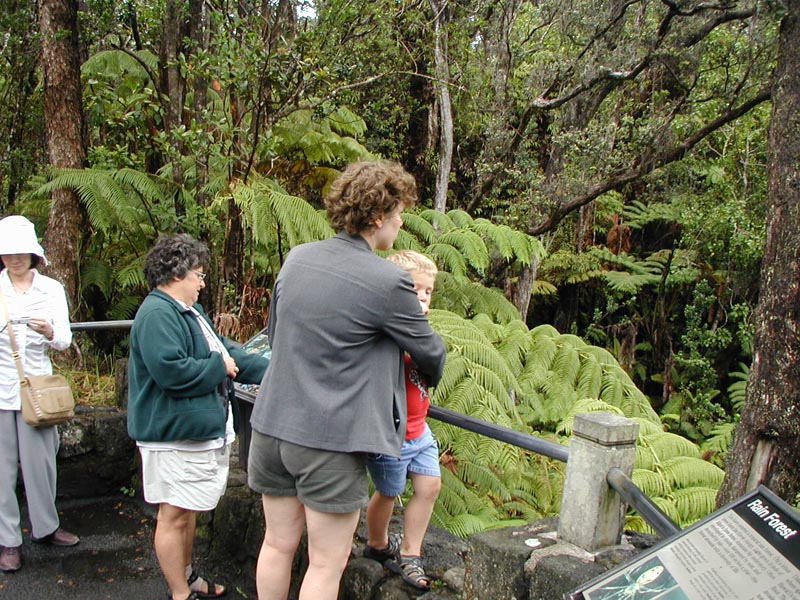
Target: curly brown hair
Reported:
point(367, 191)
point(173, 256)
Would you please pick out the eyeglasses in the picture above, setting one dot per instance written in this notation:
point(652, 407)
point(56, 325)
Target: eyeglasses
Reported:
point(200, 274)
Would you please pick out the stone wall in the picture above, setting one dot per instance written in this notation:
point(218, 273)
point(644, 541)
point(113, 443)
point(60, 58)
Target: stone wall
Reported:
point(514, 563)
point(96, 456)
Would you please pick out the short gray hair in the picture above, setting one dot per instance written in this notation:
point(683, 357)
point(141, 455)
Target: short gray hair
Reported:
point(173, 256)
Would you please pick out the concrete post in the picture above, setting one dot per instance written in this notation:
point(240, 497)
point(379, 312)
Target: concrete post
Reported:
point(592, 513)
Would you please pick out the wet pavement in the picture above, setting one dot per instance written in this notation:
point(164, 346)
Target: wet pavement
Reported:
point(115, 558)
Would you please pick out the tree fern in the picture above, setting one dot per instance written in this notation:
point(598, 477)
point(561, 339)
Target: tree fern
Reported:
point(638, 214)
point(502, 238)
point(418, 227)
point(737, 391)
point(687, 471)
point(449, 257)
point(467, 299)
point(326, 139)
point(585, 405)
point(654, 484)
point(589, 378)
point(460, 218)
point(406, 241)
point(668, 445)
point(470, 246)
point(536, 381)
point(440, 221)
point(693, 501)
point(719, 442)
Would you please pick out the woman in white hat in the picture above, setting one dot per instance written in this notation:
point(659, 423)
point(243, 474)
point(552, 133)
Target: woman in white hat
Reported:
point(37, 310)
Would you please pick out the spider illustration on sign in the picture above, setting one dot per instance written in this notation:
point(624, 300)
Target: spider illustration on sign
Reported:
point(647, 581)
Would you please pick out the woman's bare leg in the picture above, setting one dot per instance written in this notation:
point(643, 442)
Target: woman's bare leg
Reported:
point(171, 541)
point(284, 520)
point(330, 540)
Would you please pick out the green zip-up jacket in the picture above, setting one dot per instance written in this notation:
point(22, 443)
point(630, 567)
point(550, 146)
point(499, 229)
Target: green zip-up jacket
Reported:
point(173, 377)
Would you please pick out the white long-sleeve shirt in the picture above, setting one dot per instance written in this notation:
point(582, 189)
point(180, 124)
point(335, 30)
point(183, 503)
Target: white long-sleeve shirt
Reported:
point(45, 299)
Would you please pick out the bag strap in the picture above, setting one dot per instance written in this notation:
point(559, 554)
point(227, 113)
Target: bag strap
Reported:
point(14, 348)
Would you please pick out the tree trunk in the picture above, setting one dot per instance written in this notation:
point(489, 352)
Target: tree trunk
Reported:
point(63, 112)
point(765, 449)
point(444, 104)
point(173, 88)
point(520, 289)
point(200, 36)
point(279, 22)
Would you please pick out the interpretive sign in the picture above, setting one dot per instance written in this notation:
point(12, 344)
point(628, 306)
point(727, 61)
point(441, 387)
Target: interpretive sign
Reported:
point(748, 550)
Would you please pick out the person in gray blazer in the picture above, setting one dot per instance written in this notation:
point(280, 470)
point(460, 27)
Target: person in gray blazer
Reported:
point(341, 319)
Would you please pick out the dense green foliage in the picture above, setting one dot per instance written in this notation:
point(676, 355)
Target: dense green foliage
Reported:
point(608, 181)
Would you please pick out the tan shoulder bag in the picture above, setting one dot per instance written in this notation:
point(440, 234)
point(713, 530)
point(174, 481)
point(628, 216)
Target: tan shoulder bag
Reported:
point(46, 399)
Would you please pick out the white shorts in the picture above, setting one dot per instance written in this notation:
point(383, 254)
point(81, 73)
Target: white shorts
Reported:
point(185, 479)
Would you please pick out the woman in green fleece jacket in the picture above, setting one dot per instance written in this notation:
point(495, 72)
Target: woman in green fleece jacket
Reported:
point(180, 372)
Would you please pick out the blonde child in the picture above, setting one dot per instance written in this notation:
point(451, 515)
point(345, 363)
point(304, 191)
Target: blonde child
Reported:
point(419, 460)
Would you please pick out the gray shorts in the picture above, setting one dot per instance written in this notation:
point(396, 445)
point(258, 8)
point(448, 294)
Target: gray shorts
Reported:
point(331, 482)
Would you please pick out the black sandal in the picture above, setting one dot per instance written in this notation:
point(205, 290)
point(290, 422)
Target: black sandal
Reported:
point(411, 570)
point(210, 586)
point(391, 552)
point(192, 596)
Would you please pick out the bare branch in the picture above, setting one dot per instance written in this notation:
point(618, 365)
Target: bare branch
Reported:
point(647, 165)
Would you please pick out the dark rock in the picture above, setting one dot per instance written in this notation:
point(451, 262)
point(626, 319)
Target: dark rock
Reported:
point(641, 541)
point(238, 525)
point(393, 588)
point(96, 456)
point(361, 576)
point(454, 579)
point(555, 575)
point(495, 563)
point(615, 555)
point(442, 551)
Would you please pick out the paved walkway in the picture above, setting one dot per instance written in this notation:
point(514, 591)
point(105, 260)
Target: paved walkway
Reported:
point(114, 560)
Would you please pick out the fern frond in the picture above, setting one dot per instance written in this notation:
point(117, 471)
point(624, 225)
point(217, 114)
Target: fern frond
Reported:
point(685, 471)
point(500, 237)
point(441, 221)
point(590, 377)
point(456, 369)
point(420, 228)
point(737, 391)
point(449, 257)
point(406, 241)
point(470, 245)
point(720, 440)
point(345, 122)
point(668, 445)
point(650, 482)
point(694, 503)
point(460, 218)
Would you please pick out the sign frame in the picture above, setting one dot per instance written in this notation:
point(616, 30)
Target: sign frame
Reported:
point(676, 568)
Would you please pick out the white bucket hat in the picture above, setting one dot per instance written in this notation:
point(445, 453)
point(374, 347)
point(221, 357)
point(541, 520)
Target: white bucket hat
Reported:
point(18, 236)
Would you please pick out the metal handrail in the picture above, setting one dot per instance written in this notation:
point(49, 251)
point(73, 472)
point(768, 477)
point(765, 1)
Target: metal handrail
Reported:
point(94, 325)
point(498, 432)
point(650, 512)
